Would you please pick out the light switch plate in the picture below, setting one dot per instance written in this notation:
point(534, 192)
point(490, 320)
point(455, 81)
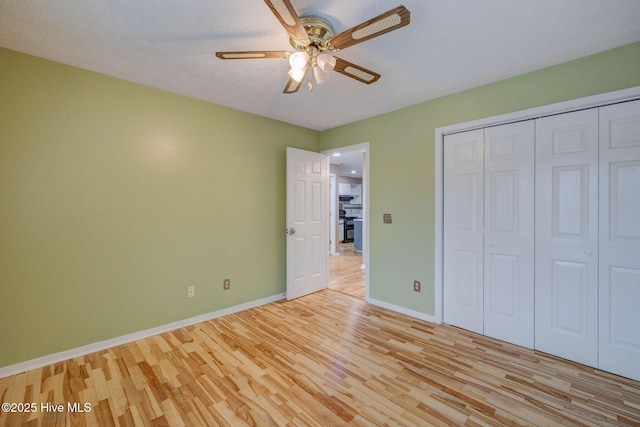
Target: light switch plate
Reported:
point(386, 218)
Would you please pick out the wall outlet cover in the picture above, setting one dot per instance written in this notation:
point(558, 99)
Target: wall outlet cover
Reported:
point(416, 285)
point(226, 284)
point(386, 218)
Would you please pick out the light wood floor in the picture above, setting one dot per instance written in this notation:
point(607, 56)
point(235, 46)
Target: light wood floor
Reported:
point(345, 271)
point(326, 359)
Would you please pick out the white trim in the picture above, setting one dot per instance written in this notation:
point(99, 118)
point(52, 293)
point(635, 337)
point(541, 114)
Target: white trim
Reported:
point(103, 345)
point(532, 113)
point(402, 310)
point(366, 232)
point(333, 221)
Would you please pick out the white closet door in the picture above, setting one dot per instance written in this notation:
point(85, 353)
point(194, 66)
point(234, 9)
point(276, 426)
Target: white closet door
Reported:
point(463, 230)
point(620, 239)
point(566, 229)
point(509, 233)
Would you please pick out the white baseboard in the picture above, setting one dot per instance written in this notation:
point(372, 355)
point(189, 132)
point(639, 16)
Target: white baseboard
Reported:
point(402, 310)
point(102, 345)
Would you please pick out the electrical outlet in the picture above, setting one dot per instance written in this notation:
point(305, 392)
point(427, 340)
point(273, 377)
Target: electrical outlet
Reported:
point(386, 218)
point(226, 284)
point(191, 291)
point(416, 285)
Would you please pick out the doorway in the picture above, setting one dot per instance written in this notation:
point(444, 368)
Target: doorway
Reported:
point(349, 218)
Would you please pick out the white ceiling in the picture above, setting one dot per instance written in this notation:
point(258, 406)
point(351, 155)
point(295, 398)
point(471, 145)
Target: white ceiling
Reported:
point(450, 45)
point(350, 163)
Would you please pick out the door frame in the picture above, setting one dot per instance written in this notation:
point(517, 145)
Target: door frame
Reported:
point(532, 113)
point(333, 182)
point(364, 148)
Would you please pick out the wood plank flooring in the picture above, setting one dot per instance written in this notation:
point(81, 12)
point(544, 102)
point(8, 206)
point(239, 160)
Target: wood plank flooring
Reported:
point(345, 271)
point(326, 359)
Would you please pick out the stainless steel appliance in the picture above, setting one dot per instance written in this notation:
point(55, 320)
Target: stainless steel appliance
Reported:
point(349, 228)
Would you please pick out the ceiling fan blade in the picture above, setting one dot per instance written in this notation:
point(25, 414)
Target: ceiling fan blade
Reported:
point(288, 17)
point(356, 72)
point(388, 21)
point(253, 54)
point(293, 86)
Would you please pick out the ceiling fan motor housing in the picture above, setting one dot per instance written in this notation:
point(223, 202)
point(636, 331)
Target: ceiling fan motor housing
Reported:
point(319, 31)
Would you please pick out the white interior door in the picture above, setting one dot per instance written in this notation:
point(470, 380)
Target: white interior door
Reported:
point(566, 236)
point(509, 233)
point(619, 343)
point(463, 230)
point(307, 222)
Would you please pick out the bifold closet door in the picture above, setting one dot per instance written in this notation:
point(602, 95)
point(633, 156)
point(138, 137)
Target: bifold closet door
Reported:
point(566, 236)
point(463, 230)
point(488, 231)
point(546, 254)
point(619, 341)
point(509, 233)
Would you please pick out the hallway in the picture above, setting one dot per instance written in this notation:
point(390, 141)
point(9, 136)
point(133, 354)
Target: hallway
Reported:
point(345, 273)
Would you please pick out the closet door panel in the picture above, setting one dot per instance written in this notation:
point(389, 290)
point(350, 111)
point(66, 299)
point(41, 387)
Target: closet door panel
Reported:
point(566, 236)
point(509, 235)
point(619, 346)
point(463, 230)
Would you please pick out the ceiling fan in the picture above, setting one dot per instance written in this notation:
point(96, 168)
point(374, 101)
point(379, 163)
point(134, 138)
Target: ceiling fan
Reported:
point(314, 41)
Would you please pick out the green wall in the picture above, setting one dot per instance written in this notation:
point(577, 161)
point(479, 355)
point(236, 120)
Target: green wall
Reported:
point(402, 161)
point(115, 196)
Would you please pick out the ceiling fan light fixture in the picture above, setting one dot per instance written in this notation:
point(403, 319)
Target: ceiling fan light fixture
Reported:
point(322, 64)
point(298, 74)
point(319, 75)
point(299, 60)
point(326, 62)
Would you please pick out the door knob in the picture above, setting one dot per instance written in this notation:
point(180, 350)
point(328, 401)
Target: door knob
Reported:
point(588, 252)
point(291, 231)
point(490, 244)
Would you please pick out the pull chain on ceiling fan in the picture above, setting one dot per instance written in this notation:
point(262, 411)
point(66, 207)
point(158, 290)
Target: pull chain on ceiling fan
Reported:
point(315, 42)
